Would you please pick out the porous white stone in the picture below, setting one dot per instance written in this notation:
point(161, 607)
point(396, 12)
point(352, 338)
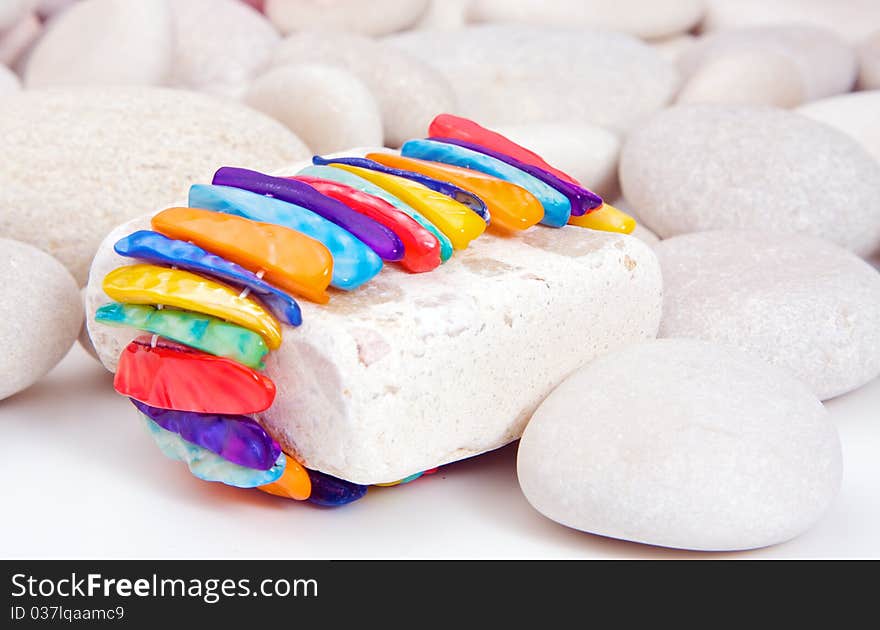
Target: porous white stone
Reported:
point(800, 303)
point(512, 74)
point(16, 40)
point(40, 315)
point(376, 17)
point(588, 153)
point(329, 108)
point(851, 19)
point(643, 18)
point(704, 167)
point(856, 114)
point(410, 93)
point(416, 370)
point(746, 77)
point(682, 443)
point(819, 60)
point(219, 45)
point(75, 163)
point(869, 62)
point(8, 81)
point(104, 42)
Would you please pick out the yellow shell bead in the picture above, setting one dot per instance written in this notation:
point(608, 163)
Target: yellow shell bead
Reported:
point(607, 219)
point(455, 220)
point(151, 284)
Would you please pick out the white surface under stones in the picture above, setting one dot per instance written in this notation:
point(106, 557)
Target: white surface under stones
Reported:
point(40, 315)
point(681, 443)
point(802, 304)
point(703, 167)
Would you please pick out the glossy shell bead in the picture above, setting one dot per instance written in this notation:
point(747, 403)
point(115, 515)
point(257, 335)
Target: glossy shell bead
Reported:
point(353, 262)
point(288, 259)
point(557, 208)
point(359, 183)
point(295, 483)
point(421, 248)
point(330, 491)
point(376, 236)
point(172, 376)
point(202, 332)
point(158, 249)
point(455, 220)
point(238, 439)
point(209, 466)
point(150, 284)
point(607, 219)
point(511, 207)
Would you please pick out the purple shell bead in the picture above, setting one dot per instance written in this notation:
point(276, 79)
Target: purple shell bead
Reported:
point(238, 439)
point(374, 235)
point(582, 200)
point(331, 491)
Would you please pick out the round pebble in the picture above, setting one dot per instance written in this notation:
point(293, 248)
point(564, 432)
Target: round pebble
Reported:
point(410, 93)
point(219, 45)
point(671, 48)
point(18, 39)
point(869, 62)
point(703, 167)
point(444, 15)
point(586, 152)
point(501, 74)
point(11, 11)
point(104, 42)
point(856, 114)
point(851, 19)
point(329, 108)
point(682, 443)
point(377, 17)
point(8, 81)
point(818, 61)
point(40, 315)
point(125, 151)
point(658, 18)
point(800, 303)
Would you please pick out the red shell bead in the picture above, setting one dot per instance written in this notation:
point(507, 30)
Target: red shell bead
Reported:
point(172, 376)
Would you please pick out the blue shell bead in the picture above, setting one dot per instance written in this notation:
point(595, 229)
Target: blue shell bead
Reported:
point(331, 491)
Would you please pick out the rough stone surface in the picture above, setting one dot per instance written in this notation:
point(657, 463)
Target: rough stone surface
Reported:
point(219, 45)
point(586, 152)
point(857, 115)
point(684, 444)
point(40, 315)
point(704, 167)
point(800, 303)
point(410, 93)
point(75, 163)
point(869, 62)
point(853, 19)
point(377, 17)
point(657, 18)
point(417, 370)
point(820, 60)
point(106, 42)
point(501, 74)
point(329, 108)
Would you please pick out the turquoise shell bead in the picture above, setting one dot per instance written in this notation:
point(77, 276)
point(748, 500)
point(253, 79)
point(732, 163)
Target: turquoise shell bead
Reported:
point(557, 207)
point(359, 183)
point(353, 262)
point(208, 466)
point(203, 332)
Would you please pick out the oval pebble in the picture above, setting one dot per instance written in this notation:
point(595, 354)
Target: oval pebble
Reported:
point(704, 167)
point(820, 61)
point(377, 17)
point(800, 303)
point(11, 11)
point(501, 74)
point(219, 45)
point(684, 444)
point(83, 45)
point(8, 81)
point(18, 39)
point(409, 92)
point(856, 114)
point(659, 18)
point(41, 314)
point(869, 62)
point(444, 15)
point(329, 108)
point(68, 195)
